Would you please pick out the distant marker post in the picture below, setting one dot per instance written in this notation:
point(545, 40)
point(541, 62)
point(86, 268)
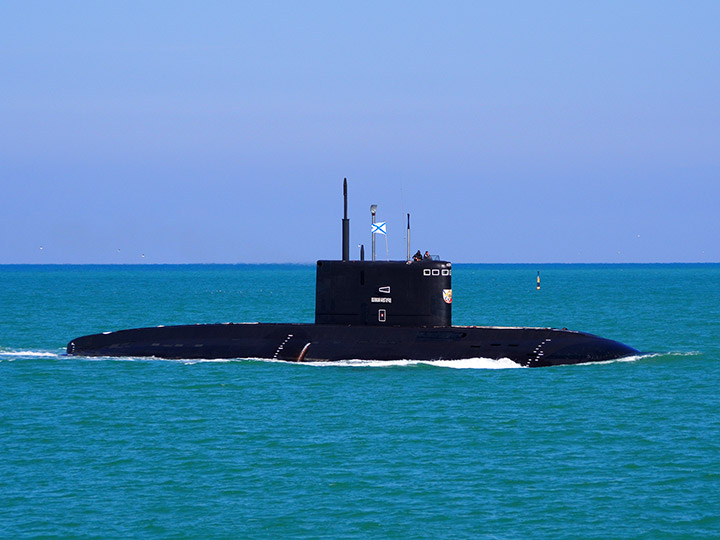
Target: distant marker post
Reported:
point(538, 280)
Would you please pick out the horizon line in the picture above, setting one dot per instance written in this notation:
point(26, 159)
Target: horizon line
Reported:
point(286, 263)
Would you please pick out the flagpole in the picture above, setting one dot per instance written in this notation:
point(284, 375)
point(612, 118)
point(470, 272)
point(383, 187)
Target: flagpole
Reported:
point(373, 209)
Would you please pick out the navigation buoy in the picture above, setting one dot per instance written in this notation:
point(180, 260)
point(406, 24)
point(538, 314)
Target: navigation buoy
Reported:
point(538, 280)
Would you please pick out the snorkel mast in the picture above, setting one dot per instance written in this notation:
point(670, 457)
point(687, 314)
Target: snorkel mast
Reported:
point(345, 227)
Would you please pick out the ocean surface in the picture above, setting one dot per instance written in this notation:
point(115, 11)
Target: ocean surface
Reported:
point(143, 448)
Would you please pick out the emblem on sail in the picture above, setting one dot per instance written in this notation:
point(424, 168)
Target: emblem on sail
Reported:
point(447, 296)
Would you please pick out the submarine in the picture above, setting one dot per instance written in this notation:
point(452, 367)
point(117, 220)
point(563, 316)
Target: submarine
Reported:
point(364, 310)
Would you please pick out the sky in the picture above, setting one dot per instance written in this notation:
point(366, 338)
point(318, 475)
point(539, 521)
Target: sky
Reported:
point(220, 132)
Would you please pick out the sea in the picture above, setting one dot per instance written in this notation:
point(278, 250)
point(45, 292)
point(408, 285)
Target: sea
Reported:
point(106, 448)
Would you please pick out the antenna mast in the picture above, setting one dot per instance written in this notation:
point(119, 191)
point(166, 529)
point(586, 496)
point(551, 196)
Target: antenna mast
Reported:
point(408, 239)
point(345, 226)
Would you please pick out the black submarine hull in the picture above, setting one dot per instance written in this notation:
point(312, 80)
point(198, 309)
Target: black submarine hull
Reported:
point(528, 347)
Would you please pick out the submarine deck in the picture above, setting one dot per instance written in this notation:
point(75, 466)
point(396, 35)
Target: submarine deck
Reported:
point(304, 342)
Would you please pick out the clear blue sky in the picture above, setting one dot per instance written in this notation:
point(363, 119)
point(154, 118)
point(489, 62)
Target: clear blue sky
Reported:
point(221, 131)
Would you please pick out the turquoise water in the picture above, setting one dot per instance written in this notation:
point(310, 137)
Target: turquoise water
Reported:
point(131, 448)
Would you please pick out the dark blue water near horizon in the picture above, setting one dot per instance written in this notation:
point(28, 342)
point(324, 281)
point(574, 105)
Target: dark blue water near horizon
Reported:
point(119, 448)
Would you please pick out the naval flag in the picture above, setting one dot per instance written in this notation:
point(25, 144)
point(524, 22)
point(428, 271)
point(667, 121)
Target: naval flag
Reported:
point(379, 228)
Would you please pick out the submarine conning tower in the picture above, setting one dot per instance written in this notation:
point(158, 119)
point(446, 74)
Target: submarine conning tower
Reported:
point(382, 293)
point(376, 293)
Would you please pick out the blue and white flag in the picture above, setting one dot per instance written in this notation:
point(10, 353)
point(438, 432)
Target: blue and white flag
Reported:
point(379, 228)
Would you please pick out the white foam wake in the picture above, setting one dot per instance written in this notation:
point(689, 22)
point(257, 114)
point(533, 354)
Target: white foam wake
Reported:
point(638, 357)
point(467, 363)
point(28, 354)
point(477, 363)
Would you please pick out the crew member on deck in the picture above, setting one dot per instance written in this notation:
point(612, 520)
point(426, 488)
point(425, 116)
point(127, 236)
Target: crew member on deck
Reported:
point(417, 256)
point(427, 256)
